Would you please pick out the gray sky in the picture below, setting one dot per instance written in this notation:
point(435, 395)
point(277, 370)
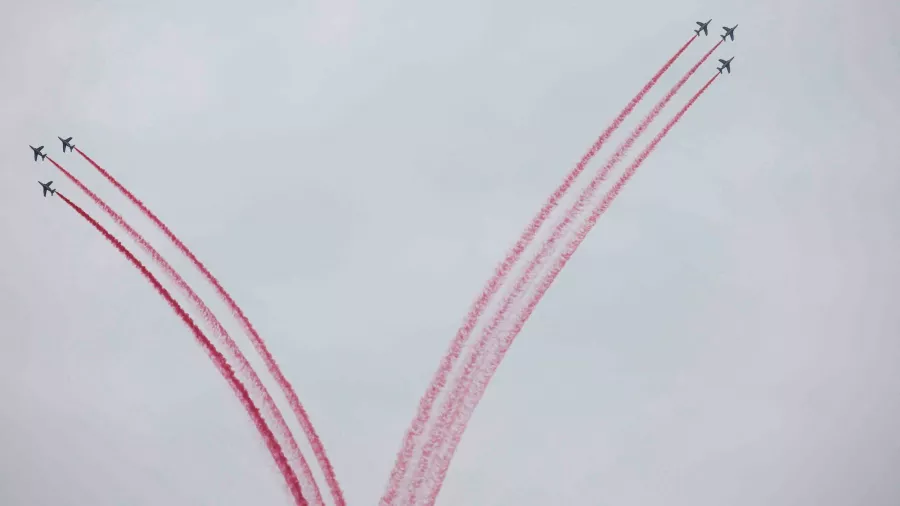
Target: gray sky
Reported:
point(353, 171)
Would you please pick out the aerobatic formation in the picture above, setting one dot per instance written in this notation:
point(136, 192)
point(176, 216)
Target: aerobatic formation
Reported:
point(497, 316)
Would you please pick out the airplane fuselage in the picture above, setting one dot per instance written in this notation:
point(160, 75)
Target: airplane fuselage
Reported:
point(729, 32)
point(66, 143)
point(703, 28)
point(46, 187)
point(726, 65)
point(37, 152)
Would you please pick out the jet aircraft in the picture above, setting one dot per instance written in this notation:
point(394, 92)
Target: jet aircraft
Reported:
point(726, 65)
point(66, 143)
point(37, 152)
point(728, 32)
point(47, 188)
point(702, 28)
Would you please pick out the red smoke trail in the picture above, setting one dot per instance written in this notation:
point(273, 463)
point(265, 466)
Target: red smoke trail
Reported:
point(462, 335)
point(217, 357)
point(254, 337)
point(545, 285)
point(218, 330)
point(451, 405)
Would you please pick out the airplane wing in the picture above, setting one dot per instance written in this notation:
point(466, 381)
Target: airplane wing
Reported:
point(723, 62)
point(68, 140)
point(35, 156)
point(699, 23)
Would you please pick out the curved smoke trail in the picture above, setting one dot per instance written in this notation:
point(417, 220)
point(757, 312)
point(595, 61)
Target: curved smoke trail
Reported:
point(545, 284)
point(450, 408)
point(214, 354)
point(258, 343)
point(218, 331)
point(447, 363)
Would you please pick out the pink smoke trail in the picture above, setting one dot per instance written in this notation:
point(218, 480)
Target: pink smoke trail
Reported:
point(218, 330)
point(258, 343)
point(214, 354)
point(448, 412)
point(447, 362)
point(544, 286)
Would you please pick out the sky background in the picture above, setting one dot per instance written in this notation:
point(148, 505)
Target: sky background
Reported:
point(353, 172)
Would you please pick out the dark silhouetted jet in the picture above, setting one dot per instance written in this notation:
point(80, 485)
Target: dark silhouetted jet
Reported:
point(37, 152)
point(66, 144)
point(728, 32)
point(726, 65)
point(702, 28)
point(47, 188)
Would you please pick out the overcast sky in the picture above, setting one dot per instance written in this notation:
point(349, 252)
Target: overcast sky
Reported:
point(353, 172)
